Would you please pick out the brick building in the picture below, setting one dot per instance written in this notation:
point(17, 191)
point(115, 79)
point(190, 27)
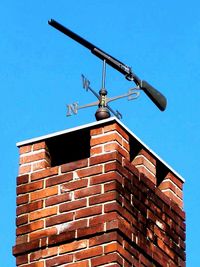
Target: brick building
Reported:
point(96, 195)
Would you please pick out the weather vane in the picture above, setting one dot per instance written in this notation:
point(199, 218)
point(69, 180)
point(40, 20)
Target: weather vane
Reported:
point(104, 109)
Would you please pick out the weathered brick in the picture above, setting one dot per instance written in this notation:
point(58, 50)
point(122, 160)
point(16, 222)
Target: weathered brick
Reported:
point(74, 165)
point(58, 219)
point(59, 179)
point(39, 165)
point(42, 233)
point(70, 186)
point(53, 200)
point(42, 254)
point(59, 260)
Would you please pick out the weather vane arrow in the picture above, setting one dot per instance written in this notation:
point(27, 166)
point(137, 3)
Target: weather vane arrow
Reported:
point(104, 109)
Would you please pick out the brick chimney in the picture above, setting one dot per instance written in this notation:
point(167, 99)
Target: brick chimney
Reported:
point(96, 195)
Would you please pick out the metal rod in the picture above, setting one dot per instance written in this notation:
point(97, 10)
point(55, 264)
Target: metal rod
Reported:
point(104, 74)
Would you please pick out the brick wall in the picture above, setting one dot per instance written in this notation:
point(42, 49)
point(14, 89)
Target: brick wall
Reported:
point(105, 210)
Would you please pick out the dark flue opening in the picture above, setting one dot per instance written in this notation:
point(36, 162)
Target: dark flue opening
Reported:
point(135, 148)
point(69, 147)
point(161, 172)
point(161, 169)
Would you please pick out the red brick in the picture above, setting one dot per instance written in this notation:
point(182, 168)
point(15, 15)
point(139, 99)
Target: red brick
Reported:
point(63, 218)
point(59, 260)
point(88, 253)
point(88, 212)
point(21, 239)
point(106, 259)
point(39, 214)
point(39, 165)
point(114, 146)
point(105, 158)
point(106, 177)
point(29, 207)
point(102, 218)
point(74, 165)
point(25, 247)
point(90, 171)
point(141, 160)
point(70, 186)
point(22, 259)
point(106, 138)
point(23, 179)
point(103, 239)
point(22, 220)
point(42, 254)
point(24, 169)
point(59, 179)
point(29, 187)
point(92, 230)
point(63, 237)
point(109, 196)
point(175, 180)
point(76, 245)
point(96, 131)
point(89, 191)
point(53, 200)
point(30, 227)
point(33, 157)
point(39, 145)
point(96, 150)
point(25, 149)
point(35, 264)
point(22, 199)
point(118, 128)
point(44, 193)
point(42, 233)
point(44, 173)
point(110, 247)
point(84, 263)
point(73, 205)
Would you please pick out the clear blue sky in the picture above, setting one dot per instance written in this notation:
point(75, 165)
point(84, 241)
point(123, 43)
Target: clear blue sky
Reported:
point(40, 73)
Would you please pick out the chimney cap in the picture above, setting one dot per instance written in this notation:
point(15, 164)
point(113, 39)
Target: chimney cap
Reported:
point(91, 125)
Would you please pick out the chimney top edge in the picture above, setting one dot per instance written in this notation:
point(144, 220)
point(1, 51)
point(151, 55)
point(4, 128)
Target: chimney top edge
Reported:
point(90, 125)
